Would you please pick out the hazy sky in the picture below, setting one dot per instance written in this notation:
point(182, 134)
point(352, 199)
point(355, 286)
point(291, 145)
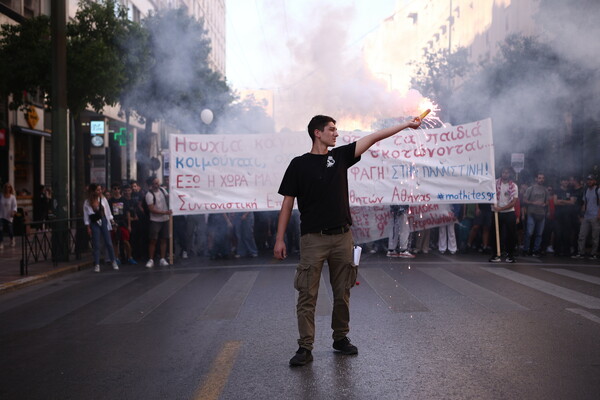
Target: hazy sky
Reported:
point(260, 34)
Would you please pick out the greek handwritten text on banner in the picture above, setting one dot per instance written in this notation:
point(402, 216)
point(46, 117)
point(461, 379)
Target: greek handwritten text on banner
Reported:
point(218, 173)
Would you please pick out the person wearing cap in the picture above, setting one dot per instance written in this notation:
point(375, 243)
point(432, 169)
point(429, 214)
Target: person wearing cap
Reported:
point(319, 180)
point(591, 220)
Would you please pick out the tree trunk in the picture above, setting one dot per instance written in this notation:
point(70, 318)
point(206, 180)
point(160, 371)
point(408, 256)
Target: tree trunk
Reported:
point(144, 141)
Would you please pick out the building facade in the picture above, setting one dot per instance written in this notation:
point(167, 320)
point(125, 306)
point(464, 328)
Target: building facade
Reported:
point(479, 26)
point(111, 151)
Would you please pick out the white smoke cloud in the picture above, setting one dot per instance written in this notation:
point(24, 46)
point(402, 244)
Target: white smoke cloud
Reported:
point(327, 75)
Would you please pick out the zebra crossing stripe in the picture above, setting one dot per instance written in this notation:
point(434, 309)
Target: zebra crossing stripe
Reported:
point(482, 296)
point(146, 303)
point(575, 275)
point(585, 314)
point(228, 302)
point(569, 295)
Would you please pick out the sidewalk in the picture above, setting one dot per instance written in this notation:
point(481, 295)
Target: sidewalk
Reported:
point(10, 268)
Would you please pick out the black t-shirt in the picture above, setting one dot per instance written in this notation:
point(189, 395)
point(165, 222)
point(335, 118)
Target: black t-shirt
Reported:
point(137, 209)
point(578, 194)
point(119, 210)
point(562, 194)
point(320, 183)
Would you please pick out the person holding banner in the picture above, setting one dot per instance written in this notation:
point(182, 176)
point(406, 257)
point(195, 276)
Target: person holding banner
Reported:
point(507, 194)
point(319, 180)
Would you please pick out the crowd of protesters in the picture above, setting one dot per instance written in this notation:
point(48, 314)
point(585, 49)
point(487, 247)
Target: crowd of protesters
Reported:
point(536, 217)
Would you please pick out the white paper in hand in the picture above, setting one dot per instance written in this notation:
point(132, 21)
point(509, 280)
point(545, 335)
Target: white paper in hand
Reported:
point(357, 251)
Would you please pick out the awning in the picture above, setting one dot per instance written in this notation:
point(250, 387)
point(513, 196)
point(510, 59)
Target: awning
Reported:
point(20, 129)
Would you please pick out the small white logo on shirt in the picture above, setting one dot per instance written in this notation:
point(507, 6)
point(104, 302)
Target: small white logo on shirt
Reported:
point(330, 161)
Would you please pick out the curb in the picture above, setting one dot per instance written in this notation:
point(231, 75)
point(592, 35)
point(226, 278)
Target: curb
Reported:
point(35, 279)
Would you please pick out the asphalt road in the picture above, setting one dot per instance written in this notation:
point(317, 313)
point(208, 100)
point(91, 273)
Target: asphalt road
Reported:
point(436, 327)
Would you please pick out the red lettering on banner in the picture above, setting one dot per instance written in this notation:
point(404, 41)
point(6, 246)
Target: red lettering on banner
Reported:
point(368, 173)
point(188, 181)
point(418, 224)
point(274, 203)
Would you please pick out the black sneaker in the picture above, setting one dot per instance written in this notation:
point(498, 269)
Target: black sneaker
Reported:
point(303, 356)
point(509, 259)
point(495, 259)
point(345, 347)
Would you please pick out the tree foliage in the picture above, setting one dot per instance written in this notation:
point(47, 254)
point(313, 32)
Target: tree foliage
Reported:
point(160, 69)
point(438, 73)
point(26, 51)
point(527, 79)
point(98, 57)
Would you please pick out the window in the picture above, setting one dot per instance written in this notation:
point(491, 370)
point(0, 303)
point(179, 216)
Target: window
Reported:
point(31, 8)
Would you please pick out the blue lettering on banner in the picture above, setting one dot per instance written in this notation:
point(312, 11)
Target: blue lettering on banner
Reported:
point(456, 170)
point(201, 162)
point(464, 195)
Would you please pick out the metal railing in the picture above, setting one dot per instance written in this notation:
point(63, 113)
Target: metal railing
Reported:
point(57, 240)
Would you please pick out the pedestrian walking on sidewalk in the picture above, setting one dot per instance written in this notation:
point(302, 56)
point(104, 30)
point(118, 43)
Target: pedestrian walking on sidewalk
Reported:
point(319, 180)
point(8, 209)
point(99, 222)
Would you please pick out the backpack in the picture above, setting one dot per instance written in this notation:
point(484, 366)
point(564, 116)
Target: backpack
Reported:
point(145, 204)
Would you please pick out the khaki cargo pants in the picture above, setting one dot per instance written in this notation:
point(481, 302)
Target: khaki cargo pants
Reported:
point(315, 248)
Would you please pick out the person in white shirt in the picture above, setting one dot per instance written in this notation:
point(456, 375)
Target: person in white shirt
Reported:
point(507, 195)
point(157, 200)
point(8, 209)
point(99, 221)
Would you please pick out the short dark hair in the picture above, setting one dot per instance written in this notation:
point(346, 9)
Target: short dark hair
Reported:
point(126, 187)
point(510, 170)
point(318, 122)
point(150, 180)
point(115, 186)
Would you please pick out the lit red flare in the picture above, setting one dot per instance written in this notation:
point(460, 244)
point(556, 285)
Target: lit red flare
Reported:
point(424, 114)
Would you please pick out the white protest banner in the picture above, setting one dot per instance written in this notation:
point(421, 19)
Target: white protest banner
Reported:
point(374, 223)
point(449, 165)
point(229, 173)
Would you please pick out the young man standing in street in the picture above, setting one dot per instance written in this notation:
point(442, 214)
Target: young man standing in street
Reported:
point(536, 201)
point(319, 181)
point(591, 220)
point(158, 204)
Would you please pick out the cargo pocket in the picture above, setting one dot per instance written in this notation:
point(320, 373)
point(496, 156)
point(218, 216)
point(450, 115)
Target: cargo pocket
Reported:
point(302, 279)
point(352, 275)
